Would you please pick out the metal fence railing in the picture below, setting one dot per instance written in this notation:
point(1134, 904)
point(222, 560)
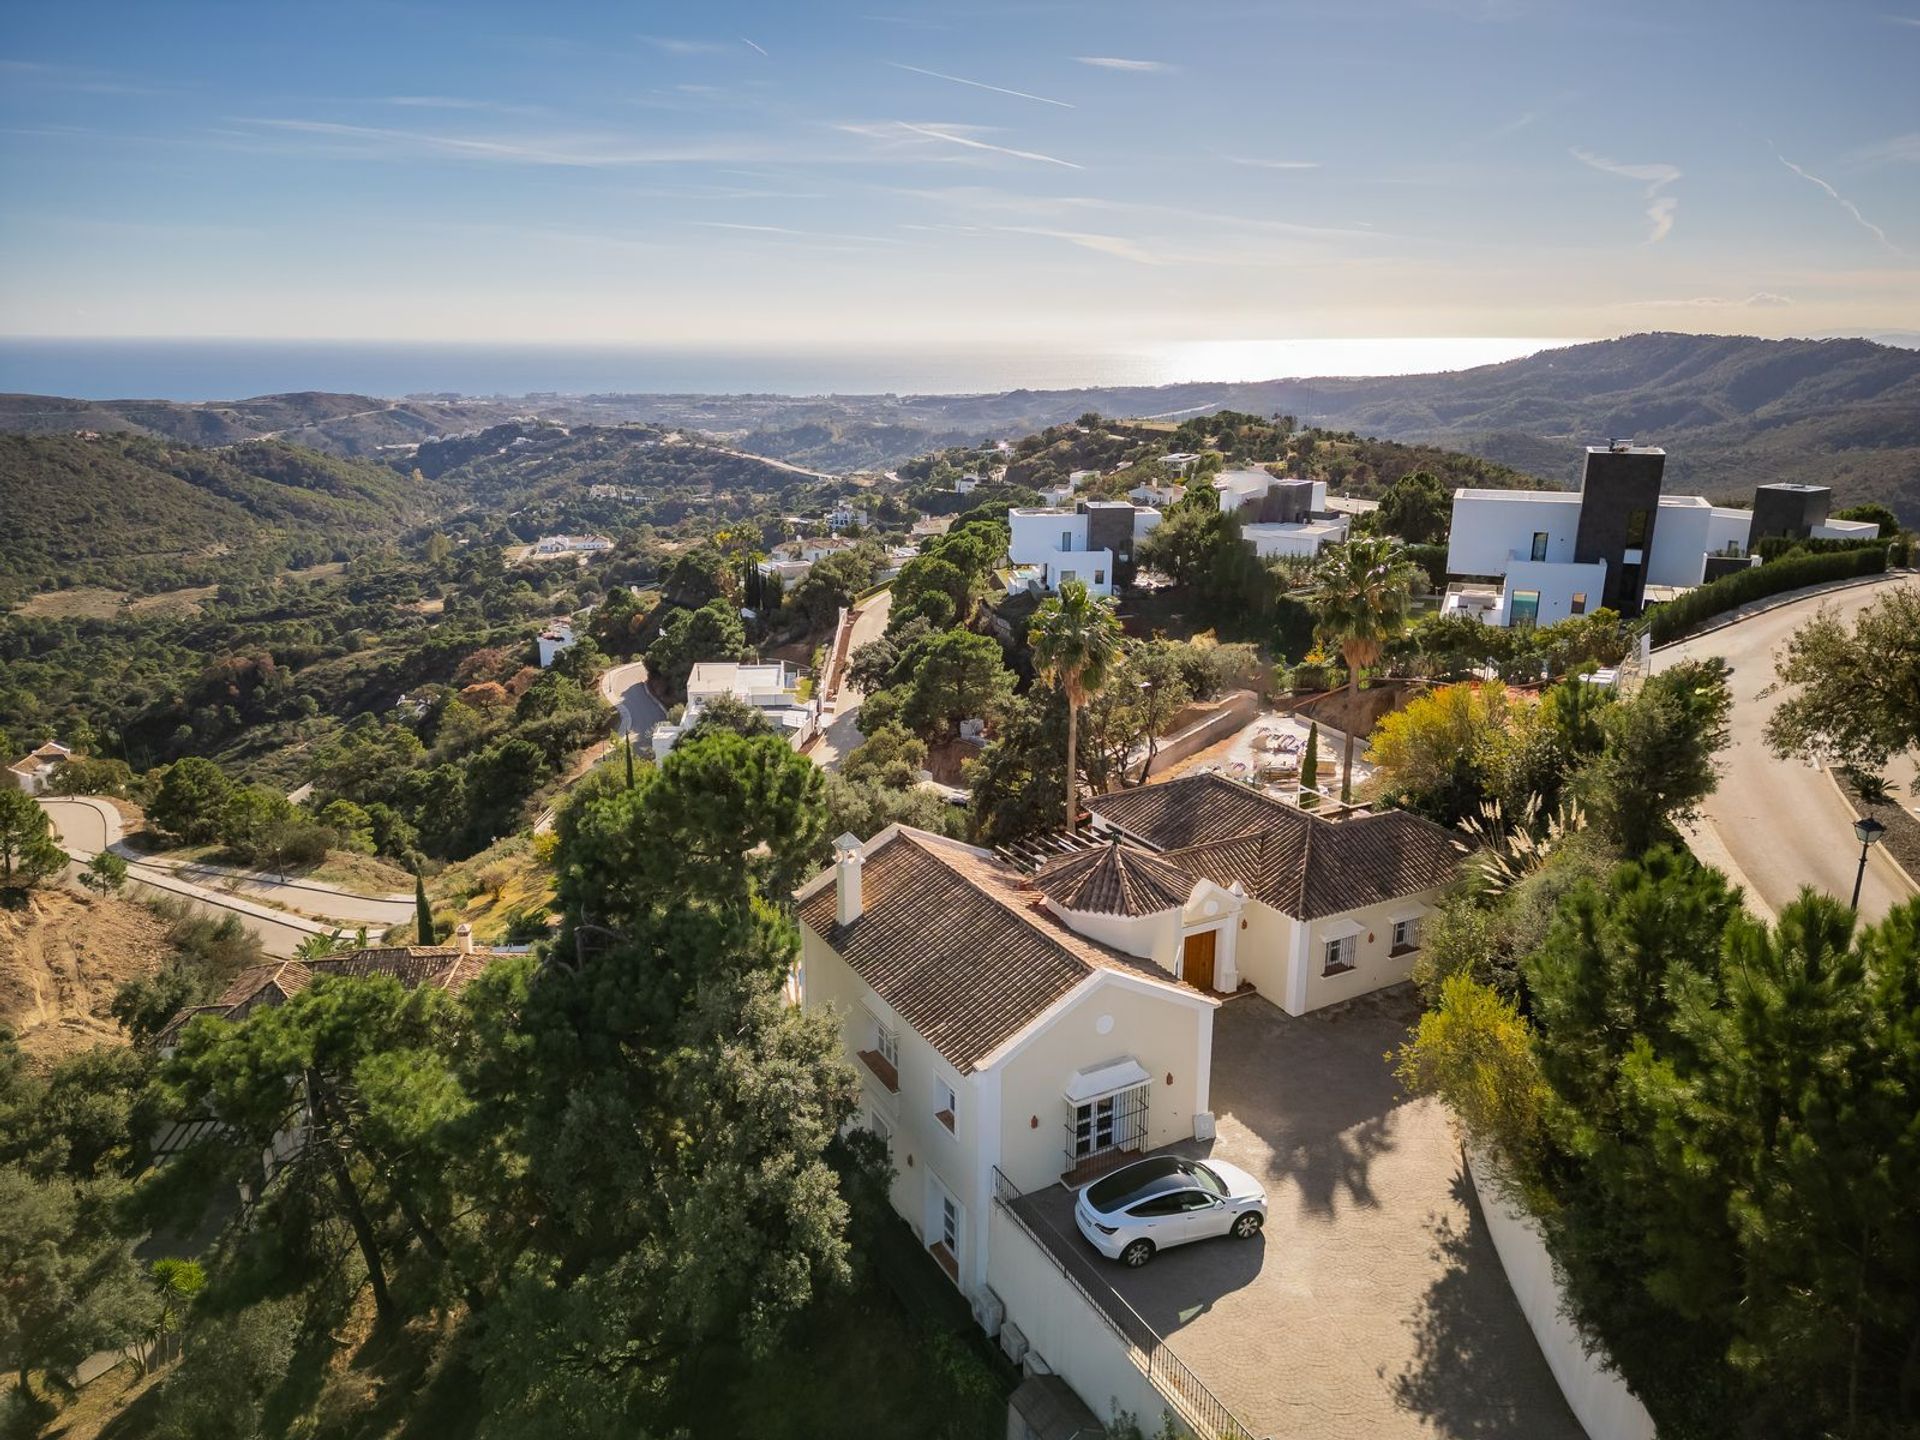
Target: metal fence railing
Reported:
point(1203, 1411)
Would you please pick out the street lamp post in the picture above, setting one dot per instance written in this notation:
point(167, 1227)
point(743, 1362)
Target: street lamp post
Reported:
point(1868, 831)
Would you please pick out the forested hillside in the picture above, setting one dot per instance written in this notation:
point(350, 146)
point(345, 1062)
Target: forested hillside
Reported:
point(137, 514)
point(339, 424)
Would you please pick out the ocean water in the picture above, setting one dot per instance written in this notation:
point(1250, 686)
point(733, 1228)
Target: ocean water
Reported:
point(235, 369)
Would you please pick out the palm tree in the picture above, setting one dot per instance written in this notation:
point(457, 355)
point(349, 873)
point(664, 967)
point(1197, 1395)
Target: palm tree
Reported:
point(1075, 639)
point(1360, 593)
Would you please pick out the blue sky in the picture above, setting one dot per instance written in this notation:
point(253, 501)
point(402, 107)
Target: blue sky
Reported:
point(893, 174)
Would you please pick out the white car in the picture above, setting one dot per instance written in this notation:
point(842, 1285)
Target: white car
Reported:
point(1142, 1208)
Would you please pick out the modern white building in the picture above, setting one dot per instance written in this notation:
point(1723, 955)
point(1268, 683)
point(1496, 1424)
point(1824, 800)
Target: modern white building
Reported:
point(845, 517)
point(1093, 542)
point(1536, 557)
point(1158, 496)
point(772, 688)
point(1303, 538)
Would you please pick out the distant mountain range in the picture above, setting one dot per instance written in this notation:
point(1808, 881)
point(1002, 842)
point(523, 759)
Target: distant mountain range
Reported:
point(1732, 411)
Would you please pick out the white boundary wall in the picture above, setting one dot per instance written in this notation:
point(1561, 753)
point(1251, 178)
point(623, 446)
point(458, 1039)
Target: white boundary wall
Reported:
point(1598, 1397)
point(1064, 1329)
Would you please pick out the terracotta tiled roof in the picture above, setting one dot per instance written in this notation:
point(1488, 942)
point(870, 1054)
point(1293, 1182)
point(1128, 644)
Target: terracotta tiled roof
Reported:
point(959, 944)
point(278, 981)
point(1300, 863)
point(1192, 810)
point(1114, 879)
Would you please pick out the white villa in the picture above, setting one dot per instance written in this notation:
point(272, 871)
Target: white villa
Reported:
point(772, 688)
point(571, 544)
point(1281, 516)
point(32, 771)
point(1541, 556)
point(1093, 542)
point(1012, 1031)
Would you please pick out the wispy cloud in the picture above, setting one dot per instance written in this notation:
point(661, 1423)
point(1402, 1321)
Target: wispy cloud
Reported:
point(1900, 150)
point(577, 151)
point(1902, 20)
point(1115, 62)
point(757, 49)
point(1844, 203)
point(1657, 175)
point(455, 102)
point(1759, 300)
point(791, 232)
point(979, 85)
point(75, 79)
point(1258, 164)
point(678, 45)
point(906, 132)
point(1117, 246)
point(1513, 126)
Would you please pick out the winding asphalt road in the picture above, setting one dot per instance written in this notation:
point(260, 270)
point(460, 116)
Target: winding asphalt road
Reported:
point(86, 826)
point(625, 688)
point(1782, 823)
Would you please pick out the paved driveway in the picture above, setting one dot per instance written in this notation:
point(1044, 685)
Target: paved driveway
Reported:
point(1374, 1305)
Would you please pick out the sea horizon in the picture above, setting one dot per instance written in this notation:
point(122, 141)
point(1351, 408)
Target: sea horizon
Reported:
point(236, 369)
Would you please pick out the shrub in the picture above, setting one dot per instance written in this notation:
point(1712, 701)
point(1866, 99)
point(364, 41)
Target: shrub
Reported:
point(1687, 613)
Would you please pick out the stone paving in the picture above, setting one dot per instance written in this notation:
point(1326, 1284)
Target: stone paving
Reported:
point(1374, 1304)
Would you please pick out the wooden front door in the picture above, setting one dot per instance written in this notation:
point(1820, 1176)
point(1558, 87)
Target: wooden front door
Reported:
point(1196, 960)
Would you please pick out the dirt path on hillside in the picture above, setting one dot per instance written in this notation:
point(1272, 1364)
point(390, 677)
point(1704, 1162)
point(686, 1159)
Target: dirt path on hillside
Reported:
point(62, 959)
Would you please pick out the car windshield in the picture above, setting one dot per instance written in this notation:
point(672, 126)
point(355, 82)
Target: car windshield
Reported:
point(1207, 1180)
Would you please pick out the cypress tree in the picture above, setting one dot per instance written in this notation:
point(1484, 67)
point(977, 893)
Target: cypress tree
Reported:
point(629, 748)
point(1310, 768)
point(422, 912)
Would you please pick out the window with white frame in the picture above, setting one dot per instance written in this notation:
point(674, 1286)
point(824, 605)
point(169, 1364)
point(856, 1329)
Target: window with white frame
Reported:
point(946, 1105)
point(877, 1123)
point(1340, 954)
point(886, 1044)
point(950, 1223)
point(1406, 934)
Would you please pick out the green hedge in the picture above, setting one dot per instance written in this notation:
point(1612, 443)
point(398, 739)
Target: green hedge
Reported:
point(1773, 547)
point(1690, 611)
point(1430, 558)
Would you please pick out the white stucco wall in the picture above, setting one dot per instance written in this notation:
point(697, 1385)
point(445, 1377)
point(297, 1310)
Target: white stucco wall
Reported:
point(1557, 583)
point(1598, 1397)
point(1375, 966)
point(1113, 1021)
point(1064, 1329)
point(1489, 528)
point(921, 1145)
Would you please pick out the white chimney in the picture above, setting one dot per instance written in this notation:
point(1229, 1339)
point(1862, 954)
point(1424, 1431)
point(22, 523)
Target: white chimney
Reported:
point(846, 879)
point(463, 938)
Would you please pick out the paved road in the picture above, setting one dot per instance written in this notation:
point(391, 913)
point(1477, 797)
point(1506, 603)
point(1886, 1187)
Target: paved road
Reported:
point(625, 688)
point(85, 827)
point(1782, 823)
point(843, 734)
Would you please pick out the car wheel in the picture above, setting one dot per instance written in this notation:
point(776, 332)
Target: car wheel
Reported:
point(1247, 1226)
point(1137, 1254)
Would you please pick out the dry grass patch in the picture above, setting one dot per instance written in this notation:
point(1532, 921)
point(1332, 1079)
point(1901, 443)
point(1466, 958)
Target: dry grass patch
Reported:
point(173, 602)
point(86, 602)
point(511, 877)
